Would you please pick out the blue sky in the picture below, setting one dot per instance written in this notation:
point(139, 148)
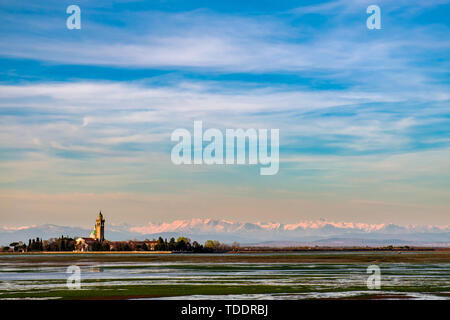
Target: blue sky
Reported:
point(86, 115)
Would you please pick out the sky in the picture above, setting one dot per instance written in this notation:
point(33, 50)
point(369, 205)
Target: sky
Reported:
point(86, 115)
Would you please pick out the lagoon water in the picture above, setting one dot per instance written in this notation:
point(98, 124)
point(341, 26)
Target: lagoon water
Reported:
point(29, 277)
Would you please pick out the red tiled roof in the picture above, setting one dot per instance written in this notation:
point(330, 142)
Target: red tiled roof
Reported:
point(86, 239)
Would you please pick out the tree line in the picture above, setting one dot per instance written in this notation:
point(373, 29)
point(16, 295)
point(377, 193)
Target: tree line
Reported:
point(54, 244)
point(184, 244)
point(64, 243)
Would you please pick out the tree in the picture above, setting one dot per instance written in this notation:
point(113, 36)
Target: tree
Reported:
point(172, 245)
point(13, 245)
point(183, 244)
point(186, 240)
point(36, 245)
point(215, 246)
point(97, 246)
point(106, 246)
point(161, 245)
point(211, 244)
point(196, 247)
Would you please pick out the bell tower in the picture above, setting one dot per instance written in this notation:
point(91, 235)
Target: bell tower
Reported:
point(100, 227)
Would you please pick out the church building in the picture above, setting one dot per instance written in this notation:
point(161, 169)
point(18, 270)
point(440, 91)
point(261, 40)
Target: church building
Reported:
point(99, 229)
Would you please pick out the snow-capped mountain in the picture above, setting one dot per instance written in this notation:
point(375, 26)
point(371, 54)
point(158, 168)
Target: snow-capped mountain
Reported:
point(319, 227)
point(319, 231)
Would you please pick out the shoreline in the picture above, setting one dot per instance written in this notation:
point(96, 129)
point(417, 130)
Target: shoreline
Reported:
point(262, 257)
point(84, 252)
point(251, 250)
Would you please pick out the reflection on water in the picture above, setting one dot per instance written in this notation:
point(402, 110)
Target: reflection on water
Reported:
point(313, 280)
point(96, 269)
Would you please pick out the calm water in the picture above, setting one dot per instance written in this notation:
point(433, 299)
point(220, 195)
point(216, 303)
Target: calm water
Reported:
point(300, 280)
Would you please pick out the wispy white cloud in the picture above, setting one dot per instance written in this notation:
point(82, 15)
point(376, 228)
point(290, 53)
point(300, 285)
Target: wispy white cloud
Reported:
point(209, 41)
point(91, 117)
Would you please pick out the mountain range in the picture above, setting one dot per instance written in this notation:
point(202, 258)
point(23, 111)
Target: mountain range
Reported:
point(320, 232)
